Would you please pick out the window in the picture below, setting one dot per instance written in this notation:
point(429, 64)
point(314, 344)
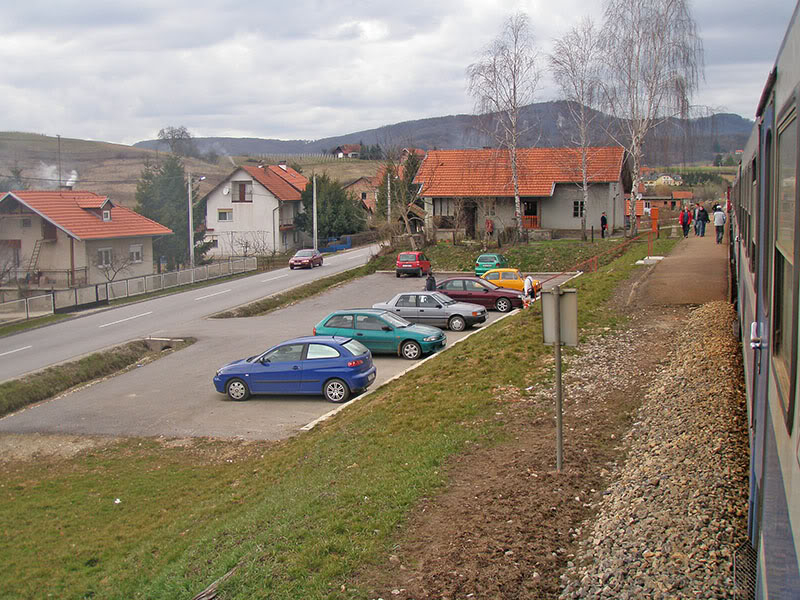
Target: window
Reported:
point(106, 215)
point(369, 323)
point(491, 208)
point(509, 275)
point(457, 284)
point(493, 276)
point(321, 351)
point(341, 321)
point(135, 253)
point(104, 257)
point(288, 353)
point(783, 293)
point(363, 196)
point(474, 286)
point(242, 191)
point(26, 223)
point(214, 243)
point(427, 302)
point(442, 207)
point(407, 301)
point(577, 208)
point(355, 348)
point(225, 214)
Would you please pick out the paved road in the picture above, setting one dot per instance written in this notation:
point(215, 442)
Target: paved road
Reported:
point(38, 348)
point(174, 396)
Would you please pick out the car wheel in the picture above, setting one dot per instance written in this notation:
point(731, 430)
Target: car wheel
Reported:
point(397, 273)
point(503, 304)
point(410, 350)
point(291, 267)
point(419, 272)
point(237, 390)
point(336, 391)
point(456, 323)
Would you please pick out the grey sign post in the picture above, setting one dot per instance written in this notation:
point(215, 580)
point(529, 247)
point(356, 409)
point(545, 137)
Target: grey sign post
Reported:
point(560, 327)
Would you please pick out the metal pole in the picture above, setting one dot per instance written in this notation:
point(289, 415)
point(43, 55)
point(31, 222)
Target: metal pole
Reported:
point(314, 204)
point(388, 198)
point(59, 161)
point(556, 291)
point(191, 226)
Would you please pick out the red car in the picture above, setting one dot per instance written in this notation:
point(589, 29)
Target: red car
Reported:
point(305, 258)
point(480, 291)
point(412, 263)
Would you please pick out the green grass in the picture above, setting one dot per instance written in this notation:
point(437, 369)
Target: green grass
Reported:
point(50, 382)
point(298, 517)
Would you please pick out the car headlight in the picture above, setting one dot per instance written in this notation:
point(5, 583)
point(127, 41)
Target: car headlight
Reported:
point(431, 338)
point(218, 372)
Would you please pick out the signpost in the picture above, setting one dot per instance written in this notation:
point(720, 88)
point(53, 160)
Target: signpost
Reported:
point(560, 326)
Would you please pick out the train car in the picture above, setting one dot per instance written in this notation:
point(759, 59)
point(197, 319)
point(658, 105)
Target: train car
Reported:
point(765, 254)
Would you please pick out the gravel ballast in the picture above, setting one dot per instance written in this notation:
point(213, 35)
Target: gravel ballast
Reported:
point(668, 525)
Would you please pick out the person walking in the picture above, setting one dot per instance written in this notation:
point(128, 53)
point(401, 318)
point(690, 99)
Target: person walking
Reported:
point(430, 282)
point(603, 225)
point(719, 223)
point(696, 217)
point(528, 292)
point(702, 219)
point(685, 219)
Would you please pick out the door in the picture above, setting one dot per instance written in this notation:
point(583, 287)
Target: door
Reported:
point(406, 307)
point(454, 289)
point(429, 311)
point(279, 371)
point(478, 293)
point(370, 332)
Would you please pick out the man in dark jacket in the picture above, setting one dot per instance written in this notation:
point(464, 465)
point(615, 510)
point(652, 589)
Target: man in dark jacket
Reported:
point(603, 225)
point(702, 219)
point(430, 282)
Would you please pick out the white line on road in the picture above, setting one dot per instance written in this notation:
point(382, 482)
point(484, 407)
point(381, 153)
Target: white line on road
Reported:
point(128, 319)
point(354, 256)
point(214, 294)
point(17, 350)
point(274, 278)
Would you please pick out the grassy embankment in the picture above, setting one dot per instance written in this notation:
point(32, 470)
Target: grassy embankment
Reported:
point(141, 519)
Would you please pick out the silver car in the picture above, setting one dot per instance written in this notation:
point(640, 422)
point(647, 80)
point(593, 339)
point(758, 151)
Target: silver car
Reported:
point(434, 308)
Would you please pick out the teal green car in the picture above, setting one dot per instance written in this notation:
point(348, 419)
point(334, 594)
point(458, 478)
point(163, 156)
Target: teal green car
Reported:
point(383, 332)
point(486, 262)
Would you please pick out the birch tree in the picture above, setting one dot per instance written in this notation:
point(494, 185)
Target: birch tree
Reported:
point(653, 62)
point(575, 64)
point(503, 80)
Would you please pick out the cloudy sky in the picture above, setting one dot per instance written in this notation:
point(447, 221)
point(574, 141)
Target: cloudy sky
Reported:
point(303, 69)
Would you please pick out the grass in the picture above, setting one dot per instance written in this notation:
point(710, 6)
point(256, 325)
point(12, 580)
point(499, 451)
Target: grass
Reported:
point(50, 382)
point(295, 518)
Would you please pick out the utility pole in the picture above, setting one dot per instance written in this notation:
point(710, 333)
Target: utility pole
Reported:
point(314, 209)
point(388, 197)
point(59, 160)
point(191, 225)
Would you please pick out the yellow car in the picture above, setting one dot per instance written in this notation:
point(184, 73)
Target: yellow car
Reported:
point(510, 278)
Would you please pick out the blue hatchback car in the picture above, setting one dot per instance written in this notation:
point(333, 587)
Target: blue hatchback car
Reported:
point(336, 367)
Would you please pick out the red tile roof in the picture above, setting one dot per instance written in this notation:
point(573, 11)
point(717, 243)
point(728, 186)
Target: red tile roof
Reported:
point(349, 148)
point(77, 213)
point(482, 173)
point(682, 195)
point(286, 185)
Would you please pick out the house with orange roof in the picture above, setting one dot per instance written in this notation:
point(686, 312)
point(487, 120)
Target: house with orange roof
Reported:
point(477, 186)
point(65, 238)
point(252, 211)
point(348, 151)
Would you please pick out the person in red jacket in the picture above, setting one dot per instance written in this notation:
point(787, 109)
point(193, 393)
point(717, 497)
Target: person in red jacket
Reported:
point(685, 219)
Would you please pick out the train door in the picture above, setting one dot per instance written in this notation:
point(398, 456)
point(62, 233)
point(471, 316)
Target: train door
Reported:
point(760, 328)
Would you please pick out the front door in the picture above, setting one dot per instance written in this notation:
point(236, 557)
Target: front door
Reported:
point(279, 371)
point(370, 332)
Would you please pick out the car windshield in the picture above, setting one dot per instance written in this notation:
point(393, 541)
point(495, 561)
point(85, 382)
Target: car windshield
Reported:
point(489, 285)
point(304, 253)
point(395, 320)
point(442, 299)
point(355, 347)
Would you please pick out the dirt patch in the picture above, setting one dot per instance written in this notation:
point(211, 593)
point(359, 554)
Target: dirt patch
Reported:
point(508, 524)
point(15, 447)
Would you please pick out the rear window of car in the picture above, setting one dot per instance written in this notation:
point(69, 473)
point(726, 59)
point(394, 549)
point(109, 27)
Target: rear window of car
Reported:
point(487, 258)
point(355, 348)
point(407, 257)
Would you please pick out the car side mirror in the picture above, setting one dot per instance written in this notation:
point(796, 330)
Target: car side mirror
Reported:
point(386, 328)
point(438, 306)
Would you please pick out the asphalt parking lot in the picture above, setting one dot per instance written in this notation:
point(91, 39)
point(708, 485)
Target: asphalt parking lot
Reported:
point(174, 396)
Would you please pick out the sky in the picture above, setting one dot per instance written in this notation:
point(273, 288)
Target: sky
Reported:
point(305, 69)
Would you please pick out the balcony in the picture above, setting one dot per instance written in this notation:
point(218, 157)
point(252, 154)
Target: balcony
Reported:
point(530, 222)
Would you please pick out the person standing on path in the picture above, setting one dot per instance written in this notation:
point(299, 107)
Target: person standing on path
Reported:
point(430, 282)
point(696, 217)
point(685, 219)
point(603, 225)
point(719, 223)
point(702, 219)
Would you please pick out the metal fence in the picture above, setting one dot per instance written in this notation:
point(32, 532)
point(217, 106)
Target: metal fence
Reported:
point(100, 293)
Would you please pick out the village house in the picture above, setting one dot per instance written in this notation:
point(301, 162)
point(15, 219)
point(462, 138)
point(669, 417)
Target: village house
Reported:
point(66, 238)
point(365, 191)
point(252, 211)
point(472, 190)
point(348, 151)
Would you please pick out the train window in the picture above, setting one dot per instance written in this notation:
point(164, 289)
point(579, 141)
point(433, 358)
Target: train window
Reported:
point(783, 297)
point(753, 194)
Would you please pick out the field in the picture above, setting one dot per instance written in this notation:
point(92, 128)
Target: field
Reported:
point(114, 169)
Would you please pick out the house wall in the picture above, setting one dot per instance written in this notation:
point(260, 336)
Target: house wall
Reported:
point(86, 253)
point(558, 212)
point(255, 225)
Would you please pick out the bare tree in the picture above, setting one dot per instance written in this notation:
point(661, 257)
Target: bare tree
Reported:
point(113, 264)
point(502, 81)
point(252, 243)
point(653, 61)
point(575, 64)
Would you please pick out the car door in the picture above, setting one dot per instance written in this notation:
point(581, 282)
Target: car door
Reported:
point(455, 289)
point(511, 279)
point(430, 311)
point(321, 363)
point(493, 276)
point(342, 324)
point(478, 293)
point(406, 307)
point(370, 332)
point(278, 371)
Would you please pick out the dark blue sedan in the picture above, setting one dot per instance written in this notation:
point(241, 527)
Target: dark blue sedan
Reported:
point(336, 367)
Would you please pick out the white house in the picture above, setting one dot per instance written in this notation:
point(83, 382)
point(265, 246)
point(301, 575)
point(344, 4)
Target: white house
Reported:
point(63, 238)
point(252, 211)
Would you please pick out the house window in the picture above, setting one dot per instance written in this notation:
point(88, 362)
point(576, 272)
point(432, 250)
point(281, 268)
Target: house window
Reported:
point(363, 196)
point(26, 223)
point(135, 253)
point(577, 209)
point(214, 243)
point(225, 214)
point(242, 192)
point(106, 215)
point(104, 257)
point(491, 208)
point(442, 207)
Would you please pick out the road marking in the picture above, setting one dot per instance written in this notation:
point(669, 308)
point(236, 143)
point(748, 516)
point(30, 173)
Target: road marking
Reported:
point(354, 256)
point(17, 350)
point(212, 295)
point(128, 319)
point(274, 278)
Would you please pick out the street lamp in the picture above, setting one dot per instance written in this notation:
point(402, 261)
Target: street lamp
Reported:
point(191, 221)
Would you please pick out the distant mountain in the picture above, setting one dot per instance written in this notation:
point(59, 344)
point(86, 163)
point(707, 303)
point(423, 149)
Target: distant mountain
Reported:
point(545, 124)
